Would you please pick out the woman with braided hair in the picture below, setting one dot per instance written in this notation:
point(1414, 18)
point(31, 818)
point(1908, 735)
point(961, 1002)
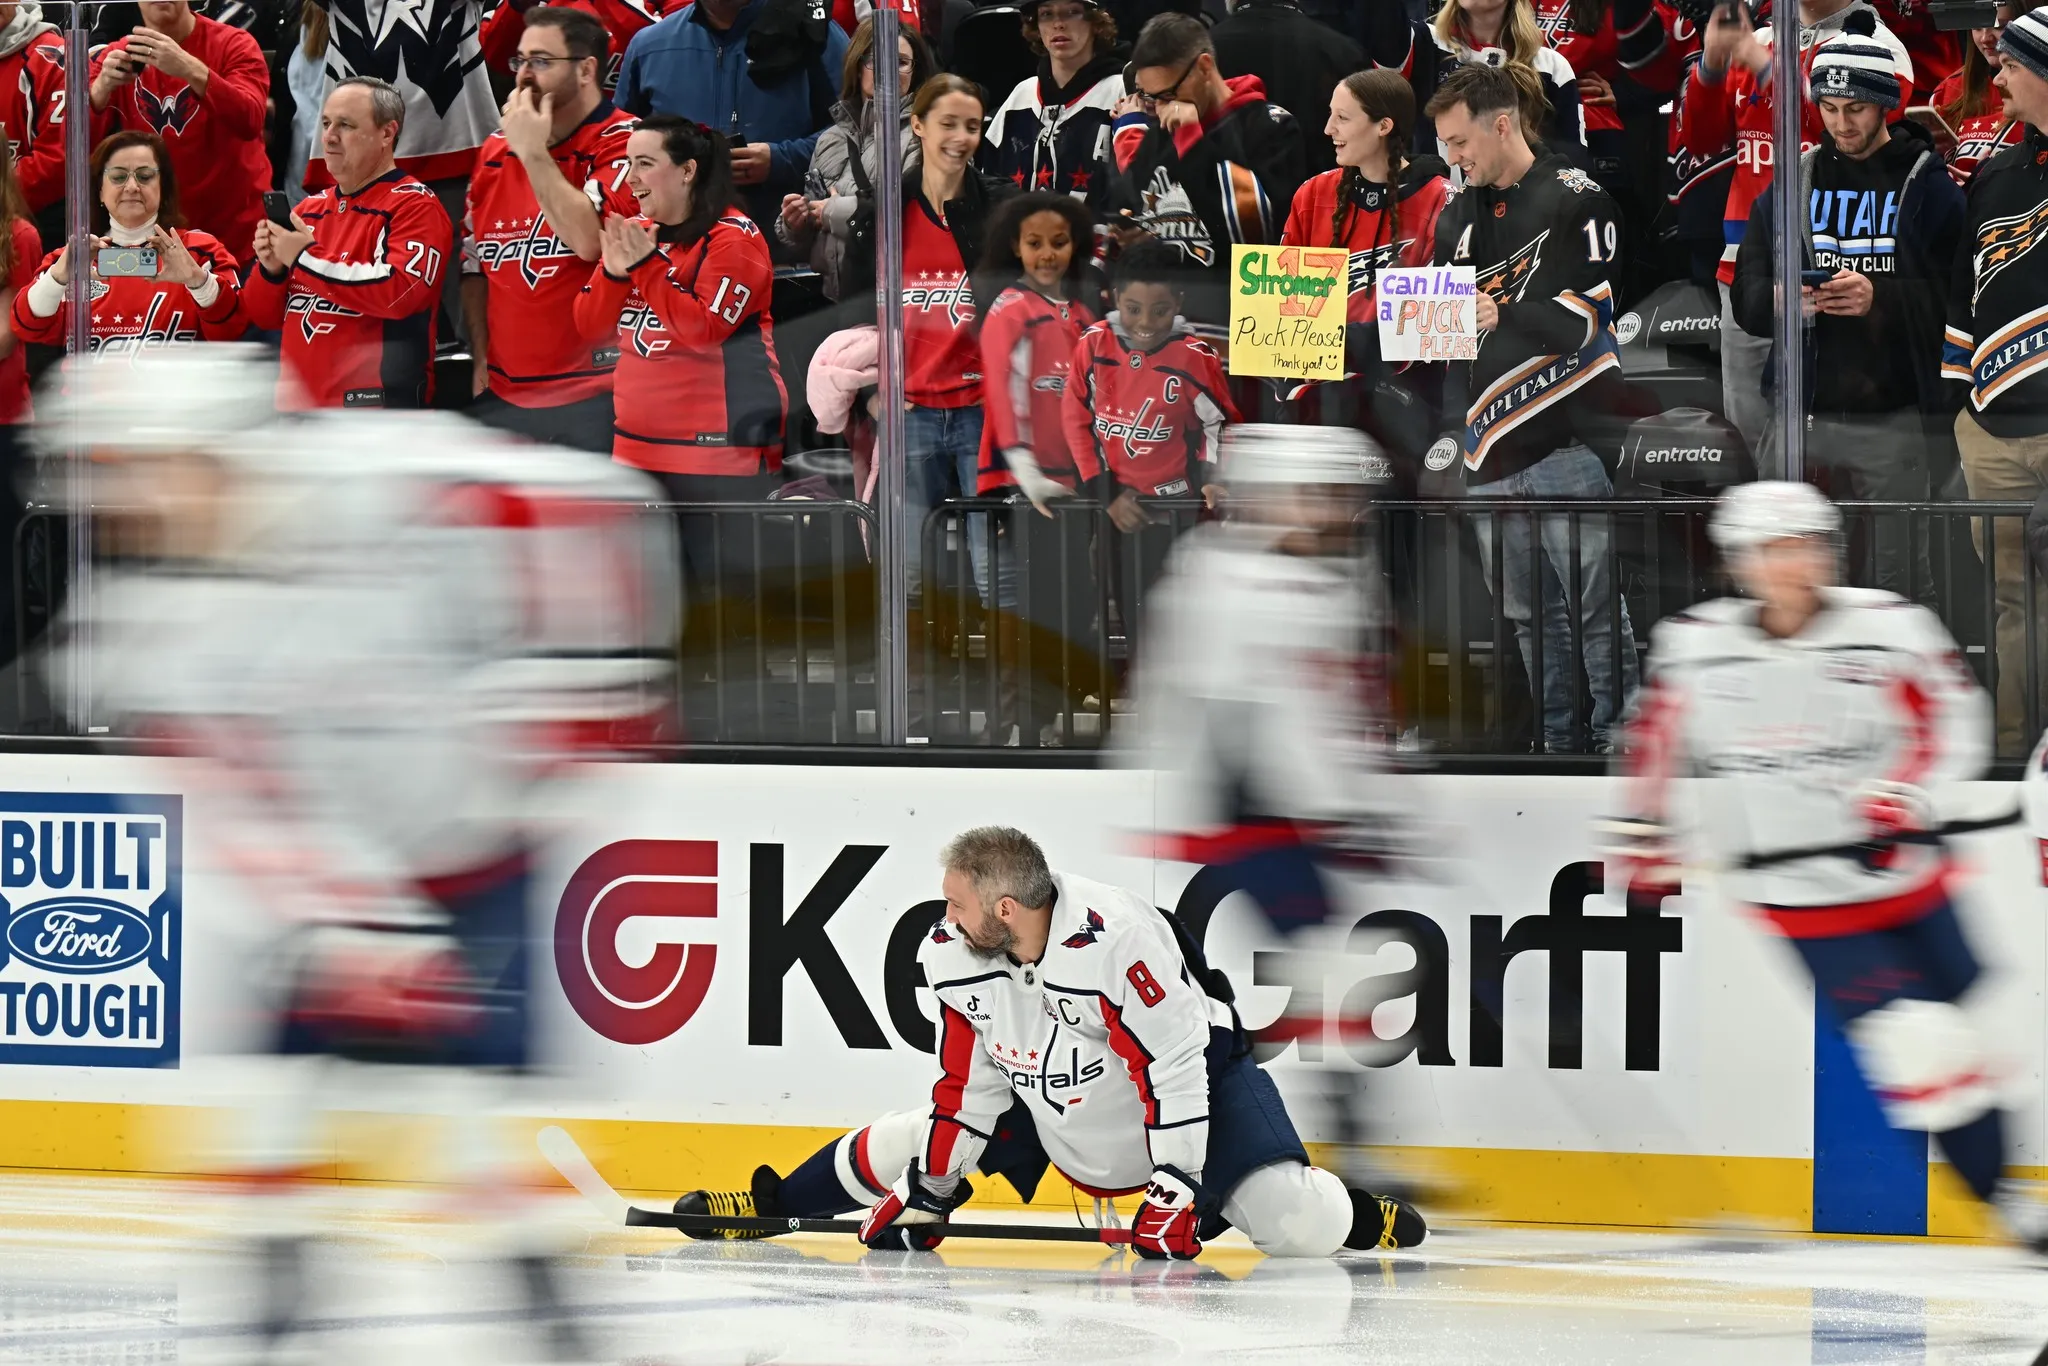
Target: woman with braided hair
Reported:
point(1380, 204)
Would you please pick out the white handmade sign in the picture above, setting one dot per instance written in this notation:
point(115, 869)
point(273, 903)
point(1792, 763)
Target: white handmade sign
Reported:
point(1428, 313)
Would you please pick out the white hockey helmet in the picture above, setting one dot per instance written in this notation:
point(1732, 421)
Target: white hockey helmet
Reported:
point(1750, 515)
point(1269, 453)
point(211, 397)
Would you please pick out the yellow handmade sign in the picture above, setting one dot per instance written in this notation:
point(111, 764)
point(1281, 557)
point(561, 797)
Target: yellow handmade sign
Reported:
point(1287, 311)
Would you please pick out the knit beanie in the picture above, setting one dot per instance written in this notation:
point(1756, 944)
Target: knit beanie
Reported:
point(2025, 40)
point(1853, 65)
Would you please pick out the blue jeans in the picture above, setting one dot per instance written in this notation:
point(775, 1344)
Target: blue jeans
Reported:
point(1568, 472)
point(942, 449)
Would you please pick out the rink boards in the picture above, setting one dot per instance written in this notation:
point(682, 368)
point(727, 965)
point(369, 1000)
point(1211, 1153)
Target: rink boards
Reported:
point(727, 976)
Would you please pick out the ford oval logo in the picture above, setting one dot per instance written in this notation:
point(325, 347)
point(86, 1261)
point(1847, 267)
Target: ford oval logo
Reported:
point(79, 934)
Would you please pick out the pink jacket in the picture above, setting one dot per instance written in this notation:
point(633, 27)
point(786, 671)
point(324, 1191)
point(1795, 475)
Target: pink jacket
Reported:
point(843, 365)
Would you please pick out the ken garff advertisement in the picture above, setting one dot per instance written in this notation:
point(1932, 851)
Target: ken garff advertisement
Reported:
point(90, 920)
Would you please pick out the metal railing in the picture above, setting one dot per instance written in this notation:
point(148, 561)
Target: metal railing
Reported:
point(1023, 627)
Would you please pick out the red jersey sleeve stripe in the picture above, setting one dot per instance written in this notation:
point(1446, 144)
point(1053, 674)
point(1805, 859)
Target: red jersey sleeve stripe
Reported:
point(1919, 756)
point(1136, 1059)
point(949, 1094)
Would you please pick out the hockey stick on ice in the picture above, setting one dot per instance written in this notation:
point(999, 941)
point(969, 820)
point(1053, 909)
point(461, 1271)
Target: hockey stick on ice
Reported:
point(565, 1157)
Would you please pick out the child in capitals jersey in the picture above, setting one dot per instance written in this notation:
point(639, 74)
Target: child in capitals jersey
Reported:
point(1039, 243)
point(1145, 405)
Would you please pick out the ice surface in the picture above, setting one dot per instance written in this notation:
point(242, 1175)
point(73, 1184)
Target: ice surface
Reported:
point(131, 1271)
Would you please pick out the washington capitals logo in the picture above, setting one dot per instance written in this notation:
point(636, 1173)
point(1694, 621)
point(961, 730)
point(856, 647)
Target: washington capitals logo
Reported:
point(310, 307)
point(162, 325)
point(1139, 434)
point(535, 250)
point(940, 934)
point(1367, 265)
point(951, 295)
point(1506, 280)
point(1086, 935)
point(2002, 241)
point(167, 113)
point(641, 329)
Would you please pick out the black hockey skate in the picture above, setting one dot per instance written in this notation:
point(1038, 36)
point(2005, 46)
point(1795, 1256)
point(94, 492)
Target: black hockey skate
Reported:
point(1384, 1223)
point(756, 1203)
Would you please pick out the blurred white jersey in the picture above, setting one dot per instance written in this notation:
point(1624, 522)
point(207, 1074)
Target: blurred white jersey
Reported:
point(1259, 692)
point(414, 620)
point(1797, 734)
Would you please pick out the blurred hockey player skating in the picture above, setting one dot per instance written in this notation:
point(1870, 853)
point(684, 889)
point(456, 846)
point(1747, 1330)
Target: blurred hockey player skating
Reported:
point(380, 635)
point(1261, 703)
point(1260, 689)
point(1833, 725)
point(1079, 1029)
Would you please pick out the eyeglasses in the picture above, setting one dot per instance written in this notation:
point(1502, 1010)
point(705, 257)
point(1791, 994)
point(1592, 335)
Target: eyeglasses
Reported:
point(540, 65)
point(143, 175)
point(1152, 101)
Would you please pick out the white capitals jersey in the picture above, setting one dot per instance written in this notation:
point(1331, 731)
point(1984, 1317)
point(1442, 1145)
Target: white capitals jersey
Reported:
point(417, 620)
point(1790, 734)
point(1260, 690)
point(1104, 1040)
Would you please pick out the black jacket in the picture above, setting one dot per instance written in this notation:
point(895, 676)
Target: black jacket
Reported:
point(1997, 338)
point(1546, 249)
point(1300, 61)
point(1202, 190)
point(1895, 217)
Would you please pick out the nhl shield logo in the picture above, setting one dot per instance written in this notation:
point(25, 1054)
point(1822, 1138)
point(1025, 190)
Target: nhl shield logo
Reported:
point(91, 912)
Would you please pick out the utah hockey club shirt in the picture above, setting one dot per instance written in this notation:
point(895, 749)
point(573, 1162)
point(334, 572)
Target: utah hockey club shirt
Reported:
point(1147, 417)
point(357, 308)
point(535, 360)
point(1103, 1039)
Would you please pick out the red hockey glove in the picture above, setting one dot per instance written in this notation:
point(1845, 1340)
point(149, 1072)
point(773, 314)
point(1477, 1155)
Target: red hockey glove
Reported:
point(1893, 809)
point(1166, 1228)
point(893, 1224)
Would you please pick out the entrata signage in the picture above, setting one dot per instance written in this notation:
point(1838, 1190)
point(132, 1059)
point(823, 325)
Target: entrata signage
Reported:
point(678, 880)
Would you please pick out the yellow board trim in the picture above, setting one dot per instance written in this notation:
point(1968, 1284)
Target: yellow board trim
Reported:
point(654, 1159)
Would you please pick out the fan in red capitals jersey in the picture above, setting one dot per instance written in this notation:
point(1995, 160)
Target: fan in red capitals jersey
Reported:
point(20, 255)
point(685, 290)
point(534, 225)
point(32, 102)
point(1973, 119)
point(1041, 242)
point(1606, 41)
point(620, 19)
point(192, 295)
point(1381, 205)
point(203, 88)
point(354, 282)
point(1146, 399)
